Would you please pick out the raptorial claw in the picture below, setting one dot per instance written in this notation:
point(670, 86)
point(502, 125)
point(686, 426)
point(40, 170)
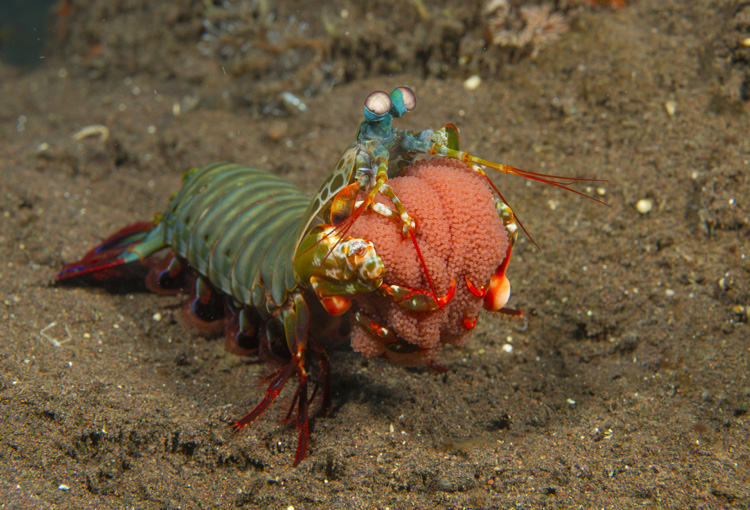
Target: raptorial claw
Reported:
point(342, 205)
point(336, 305)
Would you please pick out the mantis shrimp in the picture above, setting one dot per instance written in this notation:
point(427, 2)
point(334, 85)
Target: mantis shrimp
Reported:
point(278, 271)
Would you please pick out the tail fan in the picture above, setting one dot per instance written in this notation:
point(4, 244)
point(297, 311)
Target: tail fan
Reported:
point(111, 258)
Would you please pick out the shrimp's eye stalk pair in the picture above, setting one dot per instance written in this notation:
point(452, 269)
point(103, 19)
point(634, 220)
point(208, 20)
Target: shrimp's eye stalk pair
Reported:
point(379, 104)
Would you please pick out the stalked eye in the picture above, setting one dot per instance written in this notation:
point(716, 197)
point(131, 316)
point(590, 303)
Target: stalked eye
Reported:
point(378, 103)
point(410, 99)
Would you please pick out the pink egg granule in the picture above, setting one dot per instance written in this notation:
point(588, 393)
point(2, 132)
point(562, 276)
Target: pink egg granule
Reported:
point(460, 236)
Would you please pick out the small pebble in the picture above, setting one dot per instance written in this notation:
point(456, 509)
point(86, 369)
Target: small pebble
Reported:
point(671, 107)
point(156, 316)
point(644, 205)
point(63, 487)
point(725, 283)
point(473, 82)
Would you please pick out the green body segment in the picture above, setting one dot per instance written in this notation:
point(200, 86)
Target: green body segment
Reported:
point(238, 227)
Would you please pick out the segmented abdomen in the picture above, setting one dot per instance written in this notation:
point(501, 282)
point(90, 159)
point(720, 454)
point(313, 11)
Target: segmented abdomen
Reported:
point(238, 227)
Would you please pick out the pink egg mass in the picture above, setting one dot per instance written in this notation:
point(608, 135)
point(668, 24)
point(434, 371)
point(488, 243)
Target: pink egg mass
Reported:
point(461, 238)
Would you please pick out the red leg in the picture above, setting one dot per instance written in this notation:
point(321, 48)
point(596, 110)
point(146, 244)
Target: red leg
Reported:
point(436, 367)
point(271, 393)
point(296, 325)
point(296, 321)
point(302, 419)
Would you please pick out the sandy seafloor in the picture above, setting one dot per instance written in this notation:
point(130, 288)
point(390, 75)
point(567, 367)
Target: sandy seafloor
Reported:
point(629, 387)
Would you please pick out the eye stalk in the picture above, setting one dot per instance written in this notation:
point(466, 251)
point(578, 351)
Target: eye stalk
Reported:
point(404, 100)
point(377, 105)
point(381, 109)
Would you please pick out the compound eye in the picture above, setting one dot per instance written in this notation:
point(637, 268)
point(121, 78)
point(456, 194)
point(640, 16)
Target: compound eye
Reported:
point(410, 98)
point(378, 103)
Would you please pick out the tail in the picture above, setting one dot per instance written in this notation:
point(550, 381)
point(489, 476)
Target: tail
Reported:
point(113, 258)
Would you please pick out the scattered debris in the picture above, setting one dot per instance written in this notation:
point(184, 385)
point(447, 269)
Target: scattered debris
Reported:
point(529, 27)
point(99, 130)
point(53, 340)
point(282, 55)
